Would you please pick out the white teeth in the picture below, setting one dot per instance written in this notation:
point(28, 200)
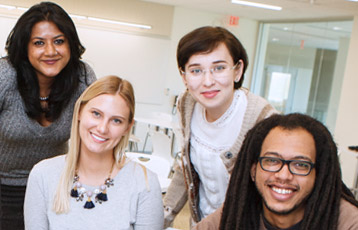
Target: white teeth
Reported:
point(98, 138)
point(282, 191)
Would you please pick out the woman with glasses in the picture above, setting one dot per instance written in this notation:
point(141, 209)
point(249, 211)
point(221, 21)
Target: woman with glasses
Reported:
point(215, 114)
point(40, 80)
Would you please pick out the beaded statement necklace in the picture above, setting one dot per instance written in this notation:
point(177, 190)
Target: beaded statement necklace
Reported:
point(78, 191)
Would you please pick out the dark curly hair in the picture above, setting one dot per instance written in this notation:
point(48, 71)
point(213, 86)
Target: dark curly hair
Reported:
point(243, 203)
point(66, 82)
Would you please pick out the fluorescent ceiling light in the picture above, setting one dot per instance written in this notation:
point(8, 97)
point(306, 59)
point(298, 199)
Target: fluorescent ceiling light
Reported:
point(336, 28)
point(12, 7)
point(22, 8)
point(254, 4)
point(8, 7)
point(80, 17)
point(120, 23)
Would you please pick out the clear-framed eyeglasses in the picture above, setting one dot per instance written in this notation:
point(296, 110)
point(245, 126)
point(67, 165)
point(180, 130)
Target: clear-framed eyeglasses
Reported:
point(296, 167)
point(217, 71)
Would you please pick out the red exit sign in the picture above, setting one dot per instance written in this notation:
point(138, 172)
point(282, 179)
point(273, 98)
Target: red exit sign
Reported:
point(234, 20)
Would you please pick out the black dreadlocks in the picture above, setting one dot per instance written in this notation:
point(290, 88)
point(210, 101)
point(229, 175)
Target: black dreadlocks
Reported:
point(243, 203)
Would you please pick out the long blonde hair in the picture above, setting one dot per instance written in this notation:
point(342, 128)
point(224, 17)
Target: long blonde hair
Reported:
point(106, 85)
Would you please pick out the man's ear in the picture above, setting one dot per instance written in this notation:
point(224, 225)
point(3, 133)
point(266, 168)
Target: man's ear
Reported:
point(253, 172)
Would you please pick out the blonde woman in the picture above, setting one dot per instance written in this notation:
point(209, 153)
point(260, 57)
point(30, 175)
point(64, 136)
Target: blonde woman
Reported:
point(94, 186)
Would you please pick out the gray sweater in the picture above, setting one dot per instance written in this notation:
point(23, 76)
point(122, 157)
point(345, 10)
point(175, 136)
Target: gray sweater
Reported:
point(132, 202)
point(23, 141)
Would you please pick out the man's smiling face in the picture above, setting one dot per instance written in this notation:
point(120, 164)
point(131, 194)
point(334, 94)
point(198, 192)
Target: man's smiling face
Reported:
point(282, 192)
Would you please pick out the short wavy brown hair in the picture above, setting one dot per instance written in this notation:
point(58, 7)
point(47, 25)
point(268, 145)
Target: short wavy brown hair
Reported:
point(206, 39)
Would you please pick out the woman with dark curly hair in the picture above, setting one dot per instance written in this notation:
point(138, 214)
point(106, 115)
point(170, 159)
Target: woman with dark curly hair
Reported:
point(40, 79)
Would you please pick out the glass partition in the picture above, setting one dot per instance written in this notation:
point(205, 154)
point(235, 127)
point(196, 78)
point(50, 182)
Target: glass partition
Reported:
point(299, 67)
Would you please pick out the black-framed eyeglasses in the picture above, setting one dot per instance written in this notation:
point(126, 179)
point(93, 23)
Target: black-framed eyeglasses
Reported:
point(296, 167)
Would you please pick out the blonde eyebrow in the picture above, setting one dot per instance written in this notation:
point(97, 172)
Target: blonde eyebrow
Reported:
point(115, 116)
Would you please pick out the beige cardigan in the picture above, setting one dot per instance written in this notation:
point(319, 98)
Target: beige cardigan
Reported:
point(347, 220)
point(185, 182)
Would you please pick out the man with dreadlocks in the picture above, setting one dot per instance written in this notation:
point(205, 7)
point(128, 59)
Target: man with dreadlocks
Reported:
point(287, 176)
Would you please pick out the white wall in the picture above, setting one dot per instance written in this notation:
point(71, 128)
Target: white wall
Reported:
point(6, 25)
point(346, 131)
point(139, 59)
point(337, 83)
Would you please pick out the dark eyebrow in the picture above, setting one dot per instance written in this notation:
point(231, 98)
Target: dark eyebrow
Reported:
point(41, 38)
point(60, 35)
point(299, 157)
point(193, 65)
point(303, 158)
point(219, 61)
point(215, 62)
point(272, 153)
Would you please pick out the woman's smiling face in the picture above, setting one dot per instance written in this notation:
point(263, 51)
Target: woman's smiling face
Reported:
point(103, 121)
point(48, 49)
point(215, 94)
